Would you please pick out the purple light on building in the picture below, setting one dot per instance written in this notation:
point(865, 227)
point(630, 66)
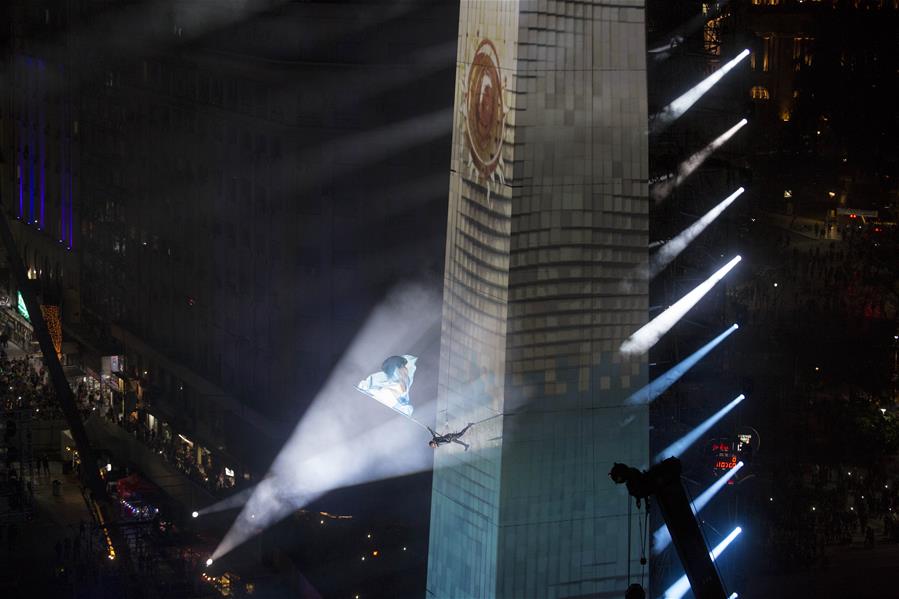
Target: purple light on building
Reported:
point(42, 132)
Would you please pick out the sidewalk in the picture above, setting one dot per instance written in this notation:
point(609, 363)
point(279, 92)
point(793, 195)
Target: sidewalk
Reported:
point(28, 563)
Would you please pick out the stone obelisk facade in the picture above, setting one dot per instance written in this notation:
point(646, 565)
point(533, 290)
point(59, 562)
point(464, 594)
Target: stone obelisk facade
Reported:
point(548, 222)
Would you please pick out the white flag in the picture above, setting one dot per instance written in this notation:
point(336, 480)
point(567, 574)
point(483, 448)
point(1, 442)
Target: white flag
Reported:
point(392, 383)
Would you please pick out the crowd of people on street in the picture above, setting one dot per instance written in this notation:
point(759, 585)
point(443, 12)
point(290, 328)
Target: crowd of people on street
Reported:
point(816, 291)
point(818, 282)
point(79, 552)
point(24, 384)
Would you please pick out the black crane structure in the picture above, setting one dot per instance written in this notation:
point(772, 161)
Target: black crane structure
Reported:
point(663, 482)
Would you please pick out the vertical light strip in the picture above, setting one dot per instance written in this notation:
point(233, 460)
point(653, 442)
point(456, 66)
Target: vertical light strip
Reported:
point(21, 140)
point(21, 153)
point(62, 174)
point(71, 201)
point(42, 138)
point(32, 139)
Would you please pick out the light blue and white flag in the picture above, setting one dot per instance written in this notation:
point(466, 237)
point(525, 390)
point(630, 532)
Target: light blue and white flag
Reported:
point(392, 383)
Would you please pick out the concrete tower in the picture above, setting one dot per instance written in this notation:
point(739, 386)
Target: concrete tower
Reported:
point(547, 227)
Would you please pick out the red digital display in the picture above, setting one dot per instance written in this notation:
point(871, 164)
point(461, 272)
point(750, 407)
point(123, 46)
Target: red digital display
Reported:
point(724, 452)
point(726, 464)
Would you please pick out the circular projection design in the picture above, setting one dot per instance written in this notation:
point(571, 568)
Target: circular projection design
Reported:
point(484, 112)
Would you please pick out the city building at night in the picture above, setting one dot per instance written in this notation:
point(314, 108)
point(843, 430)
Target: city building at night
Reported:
point(195, 209)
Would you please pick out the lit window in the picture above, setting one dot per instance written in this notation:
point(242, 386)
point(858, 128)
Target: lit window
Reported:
point(759, 92)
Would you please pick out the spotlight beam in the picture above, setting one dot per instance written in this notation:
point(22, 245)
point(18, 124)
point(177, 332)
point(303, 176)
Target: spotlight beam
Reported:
point(662, 538)
point(674, 247)
point(368, 147)
point(673, 111)
point(232, 501)
point(681, 445)
point(343, 439)
point(650, 333)
point(688, 166)
point(662, 383)
point(680, 588)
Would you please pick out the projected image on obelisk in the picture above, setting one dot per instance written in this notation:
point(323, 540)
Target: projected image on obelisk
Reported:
point(547, 226)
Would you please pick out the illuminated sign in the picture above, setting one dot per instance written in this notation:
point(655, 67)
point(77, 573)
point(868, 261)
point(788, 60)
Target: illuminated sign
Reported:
point(724, 453)
point(21, 307)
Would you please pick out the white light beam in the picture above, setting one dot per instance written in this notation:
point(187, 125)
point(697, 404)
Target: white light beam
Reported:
point(688, 166)
point(650, 333)
point(681, 445)
point(680, 588)
point(673, 111)
point(662, 538)
point(658, 386)
point(673, 248)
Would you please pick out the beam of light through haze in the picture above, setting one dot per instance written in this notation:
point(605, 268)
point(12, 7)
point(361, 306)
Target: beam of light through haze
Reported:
point(344, 438)
point(232, 501)
point(681, 445)
point(688, 166)
point(673, 111)
point(650, 333)
point(662, 538)
point(663, 382)
point(680, 588)
point(675, 246)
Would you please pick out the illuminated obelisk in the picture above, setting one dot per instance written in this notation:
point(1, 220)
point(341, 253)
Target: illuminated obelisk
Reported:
point(547, 226)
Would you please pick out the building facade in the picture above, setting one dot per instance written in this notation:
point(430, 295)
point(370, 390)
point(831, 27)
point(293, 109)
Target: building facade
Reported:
point(547, 224)
point(193, 174)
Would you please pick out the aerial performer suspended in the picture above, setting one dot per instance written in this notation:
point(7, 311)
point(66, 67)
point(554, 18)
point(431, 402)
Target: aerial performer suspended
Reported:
point(438, 440)
point(390, 386)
